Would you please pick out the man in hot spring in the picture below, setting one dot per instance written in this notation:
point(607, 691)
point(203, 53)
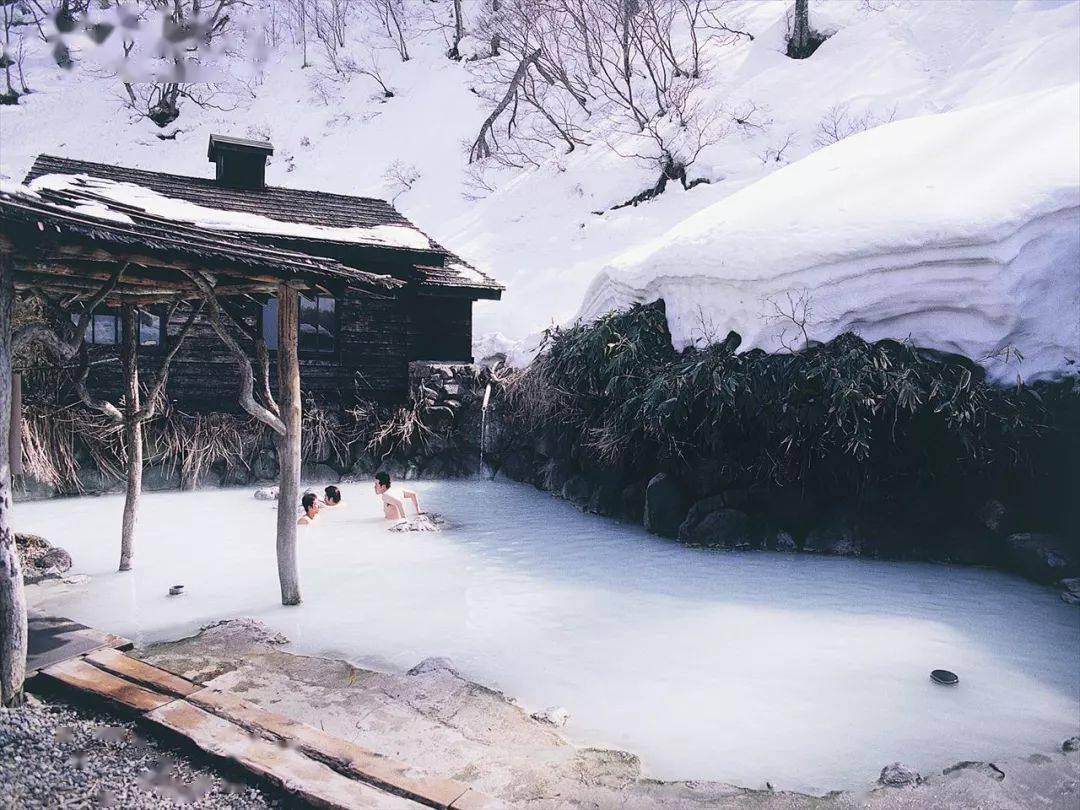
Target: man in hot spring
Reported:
point(393, 508)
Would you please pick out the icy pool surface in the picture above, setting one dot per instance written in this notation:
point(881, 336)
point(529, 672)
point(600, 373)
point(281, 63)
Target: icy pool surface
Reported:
point(809, 672)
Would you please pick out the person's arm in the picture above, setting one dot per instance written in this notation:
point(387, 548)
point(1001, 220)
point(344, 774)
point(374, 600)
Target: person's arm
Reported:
point(411, 496)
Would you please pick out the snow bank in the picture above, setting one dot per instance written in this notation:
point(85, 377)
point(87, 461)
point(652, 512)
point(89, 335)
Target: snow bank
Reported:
point(219, 219)
point(959, 230)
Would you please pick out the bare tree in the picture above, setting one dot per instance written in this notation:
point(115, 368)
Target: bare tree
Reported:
point(133, 415)
point(623, 71)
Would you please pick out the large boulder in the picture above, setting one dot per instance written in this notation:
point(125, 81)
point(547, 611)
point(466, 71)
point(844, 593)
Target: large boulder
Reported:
point(665, 505)
point(841, 535)
point(1042, 557)
point(55, 558)
point(633, 501)
point(518, 466)
point(163, 476)
point(577, 490)
point(725, 528)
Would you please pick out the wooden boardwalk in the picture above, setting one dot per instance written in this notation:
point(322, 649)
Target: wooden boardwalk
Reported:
point(310, 764)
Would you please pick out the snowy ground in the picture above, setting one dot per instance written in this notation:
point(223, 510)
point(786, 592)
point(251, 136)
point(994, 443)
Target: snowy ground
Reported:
point(811, 673)
point(537, 233)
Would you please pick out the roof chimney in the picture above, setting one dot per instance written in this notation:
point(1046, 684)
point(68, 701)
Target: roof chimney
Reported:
point(240, 163)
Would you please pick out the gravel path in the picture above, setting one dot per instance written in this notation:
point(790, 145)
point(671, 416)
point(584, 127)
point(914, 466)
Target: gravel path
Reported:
point(58, 755)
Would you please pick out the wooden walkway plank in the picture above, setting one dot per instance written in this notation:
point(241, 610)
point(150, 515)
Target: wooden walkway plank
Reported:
point(293, 771)
point(81, 675)
point(159, 680)
point(343, 755)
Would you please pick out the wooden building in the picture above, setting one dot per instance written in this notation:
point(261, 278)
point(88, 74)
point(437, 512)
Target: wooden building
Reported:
point(353, 344)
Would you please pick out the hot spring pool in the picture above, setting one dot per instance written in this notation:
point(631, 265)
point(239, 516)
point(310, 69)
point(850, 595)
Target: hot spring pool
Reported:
point(809, 672)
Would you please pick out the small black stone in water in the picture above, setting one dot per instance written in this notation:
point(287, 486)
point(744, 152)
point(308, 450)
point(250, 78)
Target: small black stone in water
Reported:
point(176, 590)
point(943, 676)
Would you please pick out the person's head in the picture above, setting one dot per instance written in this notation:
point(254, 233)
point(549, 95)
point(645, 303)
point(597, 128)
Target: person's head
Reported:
point(382, 482)
point(310, 503)
point(333, 495)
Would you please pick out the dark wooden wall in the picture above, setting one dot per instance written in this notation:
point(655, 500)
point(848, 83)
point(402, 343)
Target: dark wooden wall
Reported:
point(377, 337)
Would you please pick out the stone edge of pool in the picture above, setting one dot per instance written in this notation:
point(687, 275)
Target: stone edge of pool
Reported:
point(442, 723)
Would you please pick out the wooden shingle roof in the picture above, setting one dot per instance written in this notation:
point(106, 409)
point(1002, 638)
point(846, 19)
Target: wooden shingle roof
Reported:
point(442, 268)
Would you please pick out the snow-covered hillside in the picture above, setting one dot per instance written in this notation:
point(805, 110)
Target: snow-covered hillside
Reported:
point(977, 142)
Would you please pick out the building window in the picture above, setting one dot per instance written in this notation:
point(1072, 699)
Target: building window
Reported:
point(149, 328)
point(105, 329)
point(318, 324)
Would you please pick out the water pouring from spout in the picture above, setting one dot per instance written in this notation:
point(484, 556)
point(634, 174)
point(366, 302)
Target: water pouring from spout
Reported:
point(483, 425)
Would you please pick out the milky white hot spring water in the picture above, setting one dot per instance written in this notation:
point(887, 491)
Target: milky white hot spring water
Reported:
point(806, 671)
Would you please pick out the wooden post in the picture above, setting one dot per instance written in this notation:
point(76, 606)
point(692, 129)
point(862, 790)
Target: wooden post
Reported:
point(133, 433)
point(15, 440)
point(12, 598)
point(288, 446)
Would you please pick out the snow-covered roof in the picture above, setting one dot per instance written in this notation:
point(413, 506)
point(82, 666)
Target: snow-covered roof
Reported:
point(55, 216)
point(280, 215)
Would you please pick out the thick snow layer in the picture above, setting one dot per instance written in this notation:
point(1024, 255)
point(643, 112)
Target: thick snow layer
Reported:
point(220, 219)
point(959, 230)
point(810, 672)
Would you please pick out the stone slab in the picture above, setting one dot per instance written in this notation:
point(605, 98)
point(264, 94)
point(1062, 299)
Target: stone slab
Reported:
point(78, 674)
point(52, 639)
point(365, 764)
point(281, 764)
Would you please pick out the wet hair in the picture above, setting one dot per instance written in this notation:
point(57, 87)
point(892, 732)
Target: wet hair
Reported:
point(308, 500)
point(383, 478)
point(333, 494)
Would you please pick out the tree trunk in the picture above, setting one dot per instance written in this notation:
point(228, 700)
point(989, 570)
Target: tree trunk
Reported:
point(804, 40)
point(133, 433)
point(12, 599)
point(288, 446)
point(15, 439)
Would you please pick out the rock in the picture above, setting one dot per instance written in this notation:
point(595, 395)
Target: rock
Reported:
point(841, 536)
point(783, 541)
point(1070, 592)
point(320, 473)
point(554, 475)
point(697, 513)
point(265, 466)
point(1042, 557)
point(157, 477)
point(727, 528)
point(985, 768)
point(266, 494)
point(898, 775)
point(633, 501)
point(577, 490)
point(665, 505)
point(436, 663)
point(55, 558)
point(517, 466)
point(427, 522)
point(438, 418)
point(606, 496)
point(553, 716)
point(75, 579)
point(28, 488)
point(1071, 744)
point(237, 475)
point(993, 515)
point(243, 630)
